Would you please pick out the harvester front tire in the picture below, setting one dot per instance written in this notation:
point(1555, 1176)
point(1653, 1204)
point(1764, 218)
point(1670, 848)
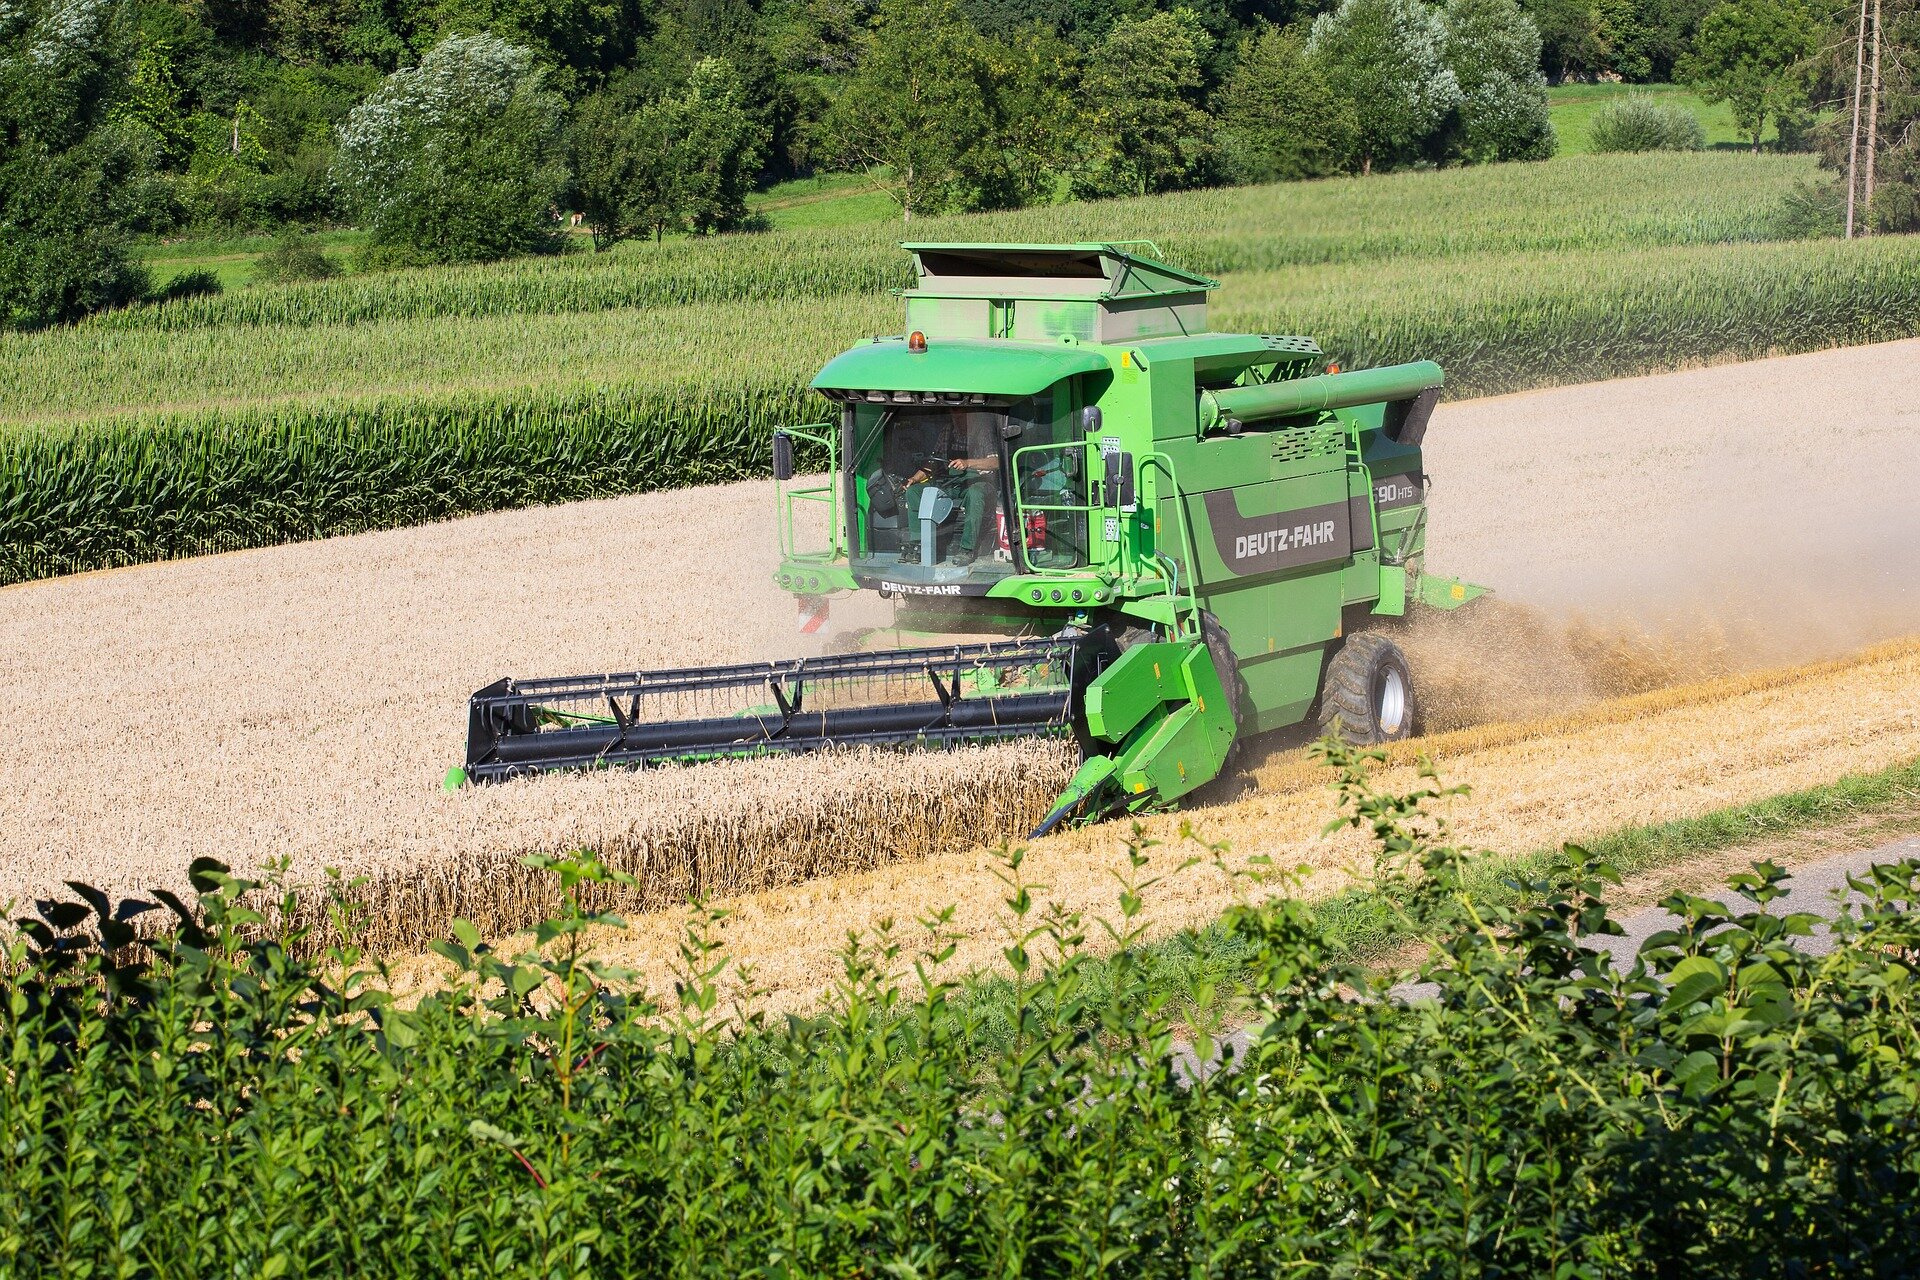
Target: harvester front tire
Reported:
point(1367, 697)
point(1227, 667)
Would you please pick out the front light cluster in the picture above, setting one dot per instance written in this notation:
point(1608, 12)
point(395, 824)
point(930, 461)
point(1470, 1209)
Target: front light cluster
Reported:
point(797, 581)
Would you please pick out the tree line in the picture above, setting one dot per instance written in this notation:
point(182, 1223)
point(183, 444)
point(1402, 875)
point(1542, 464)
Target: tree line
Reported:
point(459, 130)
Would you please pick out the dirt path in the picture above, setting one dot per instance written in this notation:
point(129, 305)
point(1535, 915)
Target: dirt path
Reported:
point(304, 700)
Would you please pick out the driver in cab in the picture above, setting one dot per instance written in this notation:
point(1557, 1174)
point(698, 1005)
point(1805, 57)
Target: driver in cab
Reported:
point(965, 467)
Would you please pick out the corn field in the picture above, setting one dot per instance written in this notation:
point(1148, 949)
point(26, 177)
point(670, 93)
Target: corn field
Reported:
point(1580, 202)
point(192, 485)
point(1507, 322)
point(273, 415)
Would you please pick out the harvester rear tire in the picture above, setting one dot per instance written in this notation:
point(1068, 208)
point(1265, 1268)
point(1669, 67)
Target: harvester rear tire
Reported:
point(1367, 696)
point(1227, 667)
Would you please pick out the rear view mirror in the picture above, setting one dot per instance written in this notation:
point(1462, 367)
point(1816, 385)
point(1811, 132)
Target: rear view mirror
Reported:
point(782, 456)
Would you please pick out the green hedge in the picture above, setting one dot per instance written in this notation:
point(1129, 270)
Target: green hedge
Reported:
point(1726, 1106)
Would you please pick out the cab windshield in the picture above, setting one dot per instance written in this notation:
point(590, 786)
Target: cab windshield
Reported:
point(931, 501)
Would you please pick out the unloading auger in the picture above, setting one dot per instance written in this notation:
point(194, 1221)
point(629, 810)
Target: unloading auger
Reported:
point(1161, 540)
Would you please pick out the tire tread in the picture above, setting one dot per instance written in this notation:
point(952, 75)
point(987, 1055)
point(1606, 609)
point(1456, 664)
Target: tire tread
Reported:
point(1346, 690)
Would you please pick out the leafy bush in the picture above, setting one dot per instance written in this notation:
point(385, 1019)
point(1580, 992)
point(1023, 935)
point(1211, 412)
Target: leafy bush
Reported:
point(294, 257)
point(201, 282)
point(1640, 122)
point(1811, 209)
point(1723, 1104)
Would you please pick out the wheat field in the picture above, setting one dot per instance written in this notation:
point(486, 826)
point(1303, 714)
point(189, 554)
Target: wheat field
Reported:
point(1665, 755)
point(303, 701)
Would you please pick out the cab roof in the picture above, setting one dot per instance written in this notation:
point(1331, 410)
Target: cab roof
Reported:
point(970, 366)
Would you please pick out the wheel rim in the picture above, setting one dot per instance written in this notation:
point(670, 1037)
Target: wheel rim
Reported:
point(1393, 703)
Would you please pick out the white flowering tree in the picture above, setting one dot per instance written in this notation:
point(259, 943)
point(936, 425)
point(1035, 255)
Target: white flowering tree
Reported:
point(457, 159)
point(1493, 50)
point(73, 177)
point(1388, 59)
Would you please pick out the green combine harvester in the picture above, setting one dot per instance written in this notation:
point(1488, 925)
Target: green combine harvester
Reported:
point(1152, 538)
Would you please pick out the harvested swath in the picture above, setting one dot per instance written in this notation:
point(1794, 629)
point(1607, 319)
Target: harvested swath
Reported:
point(705, 832)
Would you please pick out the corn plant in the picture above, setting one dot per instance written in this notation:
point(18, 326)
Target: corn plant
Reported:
point(1579, 202)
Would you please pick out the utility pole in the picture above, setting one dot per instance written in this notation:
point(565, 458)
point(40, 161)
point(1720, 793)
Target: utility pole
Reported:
point(1873, 121)
point(1853, 135)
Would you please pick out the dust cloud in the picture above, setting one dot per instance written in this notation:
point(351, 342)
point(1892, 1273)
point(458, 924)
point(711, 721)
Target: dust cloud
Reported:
point(1658, 530)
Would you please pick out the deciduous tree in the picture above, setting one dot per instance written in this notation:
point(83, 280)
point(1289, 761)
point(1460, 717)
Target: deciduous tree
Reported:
point(457, 159)
point(1754, 56)
point(73, 171)
point(1493, 50)
point(917, 107)
point(1387, 58)
point(1278, 117)
point(1145, 129)
point(717, 146)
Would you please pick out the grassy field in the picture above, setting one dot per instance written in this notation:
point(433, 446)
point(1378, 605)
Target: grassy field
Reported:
point(296, 411)
point(1572, 107)
point(232, 258)
point(824, 200)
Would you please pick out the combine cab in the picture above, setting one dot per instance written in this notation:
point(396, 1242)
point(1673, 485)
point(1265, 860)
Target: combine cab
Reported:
point(1164, 539)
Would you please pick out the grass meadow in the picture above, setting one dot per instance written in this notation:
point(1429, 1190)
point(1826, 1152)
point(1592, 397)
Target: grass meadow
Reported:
point(1573, 106)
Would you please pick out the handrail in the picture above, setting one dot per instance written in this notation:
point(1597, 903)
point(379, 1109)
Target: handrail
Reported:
point(1022, 507)
point(1356, 457)
point(820, 433)
point(1186, 538)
